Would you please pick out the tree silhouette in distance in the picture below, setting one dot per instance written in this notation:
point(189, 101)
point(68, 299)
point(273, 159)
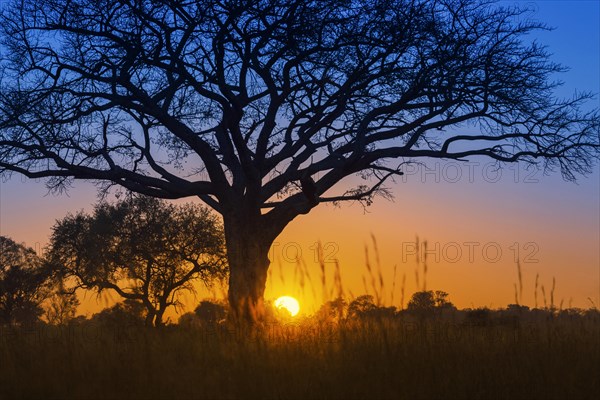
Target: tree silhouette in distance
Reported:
point(126, 314)
point(62, 305)
point(25, 283)
point(142, 248)
point(210, 312)
point(263, 108)
point(428, 302)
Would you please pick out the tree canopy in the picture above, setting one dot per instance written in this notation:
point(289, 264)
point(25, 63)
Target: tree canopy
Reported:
point(25, 283)
point(142, 248)
point(429, 301)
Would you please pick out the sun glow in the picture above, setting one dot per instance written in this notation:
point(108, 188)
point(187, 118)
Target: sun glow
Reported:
point(289, 304)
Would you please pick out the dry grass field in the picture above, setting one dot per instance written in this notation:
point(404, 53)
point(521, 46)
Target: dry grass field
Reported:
point(555, 357)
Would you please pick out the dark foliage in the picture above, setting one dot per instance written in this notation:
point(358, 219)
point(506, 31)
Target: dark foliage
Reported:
point(429, 302)
point(210, 312)
point(25, 282)
point(142, 248)
point(124, 314)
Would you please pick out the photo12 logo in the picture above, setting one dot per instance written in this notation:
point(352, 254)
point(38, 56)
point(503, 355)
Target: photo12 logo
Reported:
point(470, 252)
point(471, 172)
point(317, 252)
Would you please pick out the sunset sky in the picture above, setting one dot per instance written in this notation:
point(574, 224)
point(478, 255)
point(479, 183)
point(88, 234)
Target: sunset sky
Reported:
point(477, 220)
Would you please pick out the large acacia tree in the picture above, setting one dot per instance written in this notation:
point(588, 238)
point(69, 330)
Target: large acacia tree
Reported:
point(261, 107)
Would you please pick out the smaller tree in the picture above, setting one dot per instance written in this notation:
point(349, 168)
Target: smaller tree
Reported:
point(25, 282)
point(440, 299)
point(189, 320)
point(333, 310)
point(126, 313)
point(210, 312)
point(144, 249)
point(421, 302)
point(516, 309)
point(61, 306)
point(361, 306)
point(364, 307)
point(427, 302)
point(479, 317)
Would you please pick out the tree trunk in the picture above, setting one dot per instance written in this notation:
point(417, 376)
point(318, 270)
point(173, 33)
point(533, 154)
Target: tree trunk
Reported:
point(149, 322)
point(248, 246)
point(158, 319)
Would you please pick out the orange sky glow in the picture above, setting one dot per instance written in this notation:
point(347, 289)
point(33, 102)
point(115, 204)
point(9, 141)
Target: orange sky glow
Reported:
point(475, 232)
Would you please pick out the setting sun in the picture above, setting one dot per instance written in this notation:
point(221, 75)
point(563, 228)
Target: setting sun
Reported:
point(288, 303)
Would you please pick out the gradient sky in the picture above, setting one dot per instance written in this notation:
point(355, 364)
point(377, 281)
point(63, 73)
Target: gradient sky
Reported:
point(467, 214)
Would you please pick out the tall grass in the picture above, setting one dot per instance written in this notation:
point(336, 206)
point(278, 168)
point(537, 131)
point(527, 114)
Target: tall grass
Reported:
point(392, 357)
point(369, 359)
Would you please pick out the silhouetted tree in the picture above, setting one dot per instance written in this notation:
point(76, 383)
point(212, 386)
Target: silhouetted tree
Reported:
point(479, 317)
point(514, 313)
point(364, 307)
point(441, 300)
point(189, 320)
point(517, 309)
point(25, 282)
point(426, 302)
point(261, 107)
point(333, 310)
point(210, 312)
point(142, 248)
point(382, 312)
point(126, 313)
point(61, 305)
point(361, 306)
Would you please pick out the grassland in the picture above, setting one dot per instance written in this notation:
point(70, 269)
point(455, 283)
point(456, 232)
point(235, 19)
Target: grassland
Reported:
point(390, 358)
